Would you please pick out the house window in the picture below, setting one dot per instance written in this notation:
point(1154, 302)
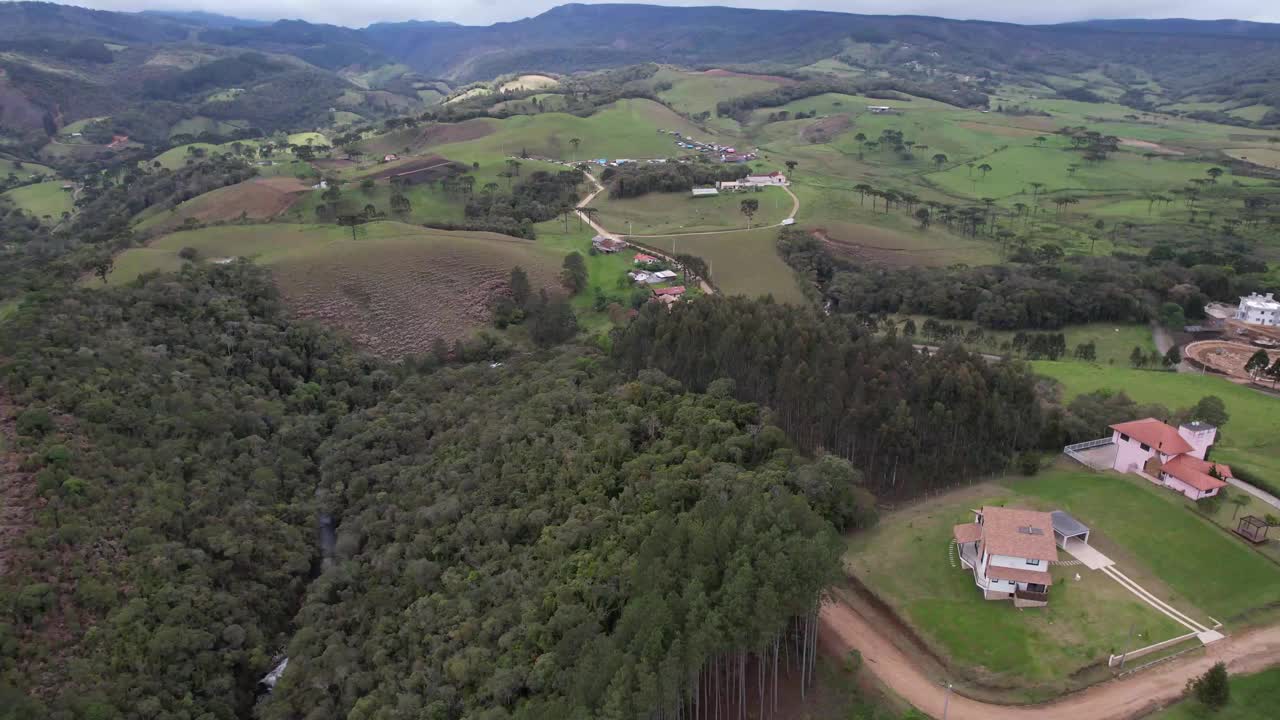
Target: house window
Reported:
point(1144, 446)
point(1033, 562)
point(1124, 437)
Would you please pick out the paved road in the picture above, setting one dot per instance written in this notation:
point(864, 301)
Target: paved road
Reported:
point(1129, 697)
point(1262, 495)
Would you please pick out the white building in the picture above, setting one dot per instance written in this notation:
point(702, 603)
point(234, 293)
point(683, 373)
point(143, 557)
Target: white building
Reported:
point(773, 178)
point(1009, 552)
point(1259, 309)
point(1172, 458)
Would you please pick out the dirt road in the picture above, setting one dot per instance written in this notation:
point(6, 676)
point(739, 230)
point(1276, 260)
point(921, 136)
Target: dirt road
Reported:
point(1124, 699)
point(706, 287)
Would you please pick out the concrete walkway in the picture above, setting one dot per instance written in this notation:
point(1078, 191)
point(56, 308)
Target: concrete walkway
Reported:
point(1087, 554)
point(1262, 495)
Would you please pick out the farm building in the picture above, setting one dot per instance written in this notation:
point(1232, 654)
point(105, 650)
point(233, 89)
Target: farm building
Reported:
point(705, 192)
point(391, 157)
point(643, 277)
point(879, 109)
point(730, 185)
point(1175, 459)
point(665, 275)
point(773, 178)
point(607, 244)
point(676, 291)
point(642, 259)
point(1259, 309)
point(1009, 552)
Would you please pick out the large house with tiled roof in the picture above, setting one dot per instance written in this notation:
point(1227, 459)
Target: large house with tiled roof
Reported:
point(1009, 552)
point(1174, 458)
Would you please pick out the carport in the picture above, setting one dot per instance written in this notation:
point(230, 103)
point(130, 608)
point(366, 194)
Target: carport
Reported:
point(1066, 528)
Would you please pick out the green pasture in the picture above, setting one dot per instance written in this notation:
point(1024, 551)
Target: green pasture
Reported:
point(1113, 342)
point(1253, 697)
point(744, 262)
point(626, 129)
point(695, 92)
point(46, 199)
point(659, 213)
point(1251, 440)
point(308, 138)
point(1013, 171)
point(177, 157)
point(276, 243)
point(10, 167)
point(79, 125)
point(200, 124)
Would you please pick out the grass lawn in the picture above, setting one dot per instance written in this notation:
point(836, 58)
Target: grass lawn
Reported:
point(1034, 650)
point(745, 262)
point(1251, 439)
point(46, 199)
point(1113, 342)
point(1253, 697)
point(657, 213)
point(1175, 554)
point(606, 273)
point(28, 169)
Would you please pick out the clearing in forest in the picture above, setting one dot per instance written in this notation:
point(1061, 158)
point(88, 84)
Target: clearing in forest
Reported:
point(394, 289)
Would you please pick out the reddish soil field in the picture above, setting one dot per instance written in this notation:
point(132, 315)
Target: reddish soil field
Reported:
point(827, 128)
point(1225, 357)
point(436, 167)
point(717, 72)
point(256, 199)
point(397, 296)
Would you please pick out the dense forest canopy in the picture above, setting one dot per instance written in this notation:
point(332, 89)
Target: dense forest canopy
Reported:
point(547, 537)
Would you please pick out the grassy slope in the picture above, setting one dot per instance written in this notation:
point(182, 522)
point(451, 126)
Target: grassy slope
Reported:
point(28, 168)
point(41, 199)
point(282, 242)
point(679, 212)
point(742, 263)
point(1253, 697)
point(1252, 437)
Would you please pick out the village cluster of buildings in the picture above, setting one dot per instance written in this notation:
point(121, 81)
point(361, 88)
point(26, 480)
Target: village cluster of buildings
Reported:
point(725, 153)
point(750, 182)
point(648, 272)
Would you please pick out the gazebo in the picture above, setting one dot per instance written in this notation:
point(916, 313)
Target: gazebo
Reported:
point(1253, 529)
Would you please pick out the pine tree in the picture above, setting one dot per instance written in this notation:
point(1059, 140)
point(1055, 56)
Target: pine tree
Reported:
point(519, 285)
point(1212, 688)
point(574, 274)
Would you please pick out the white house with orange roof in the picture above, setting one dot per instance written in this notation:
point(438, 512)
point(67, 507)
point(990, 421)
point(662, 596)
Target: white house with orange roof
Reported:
point(1009, 552)
point(1174, 458)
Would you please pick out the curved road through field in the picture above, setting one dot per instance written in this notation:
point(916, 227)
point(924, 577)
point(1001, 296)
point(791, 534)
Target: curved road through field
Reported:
point(1133, 696)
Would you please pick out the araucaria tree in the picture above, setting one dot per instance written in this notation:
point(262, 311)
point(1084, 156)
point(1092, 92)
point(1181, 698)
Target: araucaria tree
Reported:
point(749, 208)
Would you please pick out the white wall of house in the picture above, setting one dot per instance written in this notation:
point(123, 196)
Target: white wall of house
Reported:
point(1199, 440)
point(1019, 563)
point(1191, 492)
point(1130, 457)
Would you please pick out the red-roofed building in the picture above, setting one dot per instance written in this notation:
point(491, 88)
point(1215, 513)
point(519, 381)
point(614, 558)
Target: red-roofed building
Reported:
point(642, 259)
point(676, 291)
point(1174, 458)
point(1009, 551)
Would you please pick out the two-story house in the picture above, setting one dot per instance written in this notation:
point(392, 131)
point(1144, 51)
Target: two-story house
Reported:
point(1009, 552)
point(1176, 459)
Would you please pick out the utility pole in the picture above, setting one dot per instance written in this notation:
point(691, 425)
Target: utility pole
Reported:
point(946, 703)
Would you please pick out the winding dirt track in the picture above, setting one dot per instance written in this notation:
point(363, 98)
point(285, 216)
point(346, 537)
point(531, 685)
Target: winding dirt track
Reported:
point(1130, 697)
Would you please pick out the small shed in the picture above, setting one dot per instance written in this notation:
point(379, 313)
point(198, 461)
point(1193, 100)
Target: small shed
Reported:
point(1066, 527)
point(1253, 529)
point(705, 192)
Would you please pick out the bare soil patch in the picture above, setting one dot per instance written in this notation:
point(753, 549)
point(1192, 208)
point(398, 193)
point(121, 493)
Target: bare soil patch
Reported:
point(1001, 130)
point(1150, 146)
point(446, 133)
point(398, 299)
point(1225, 357)
point(255, 199)
point(827, 128)
point(717, 72)
point(429, 165)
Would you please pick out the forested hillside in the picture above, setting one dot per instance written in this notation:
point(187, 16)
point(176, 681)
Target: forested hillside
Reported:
point(910, 422)
point(545, 537)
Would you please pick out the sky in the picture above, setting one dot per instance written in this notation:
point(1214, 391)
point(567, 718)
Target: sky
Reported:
point(484, 12)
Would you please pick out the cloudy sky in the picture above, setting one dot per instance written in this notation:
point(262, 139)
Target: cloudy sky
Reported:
point(483, 12)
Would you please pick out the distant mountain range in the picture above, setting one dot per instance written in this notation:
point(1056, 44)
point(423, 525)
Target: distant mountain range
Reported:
point(54, 58)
